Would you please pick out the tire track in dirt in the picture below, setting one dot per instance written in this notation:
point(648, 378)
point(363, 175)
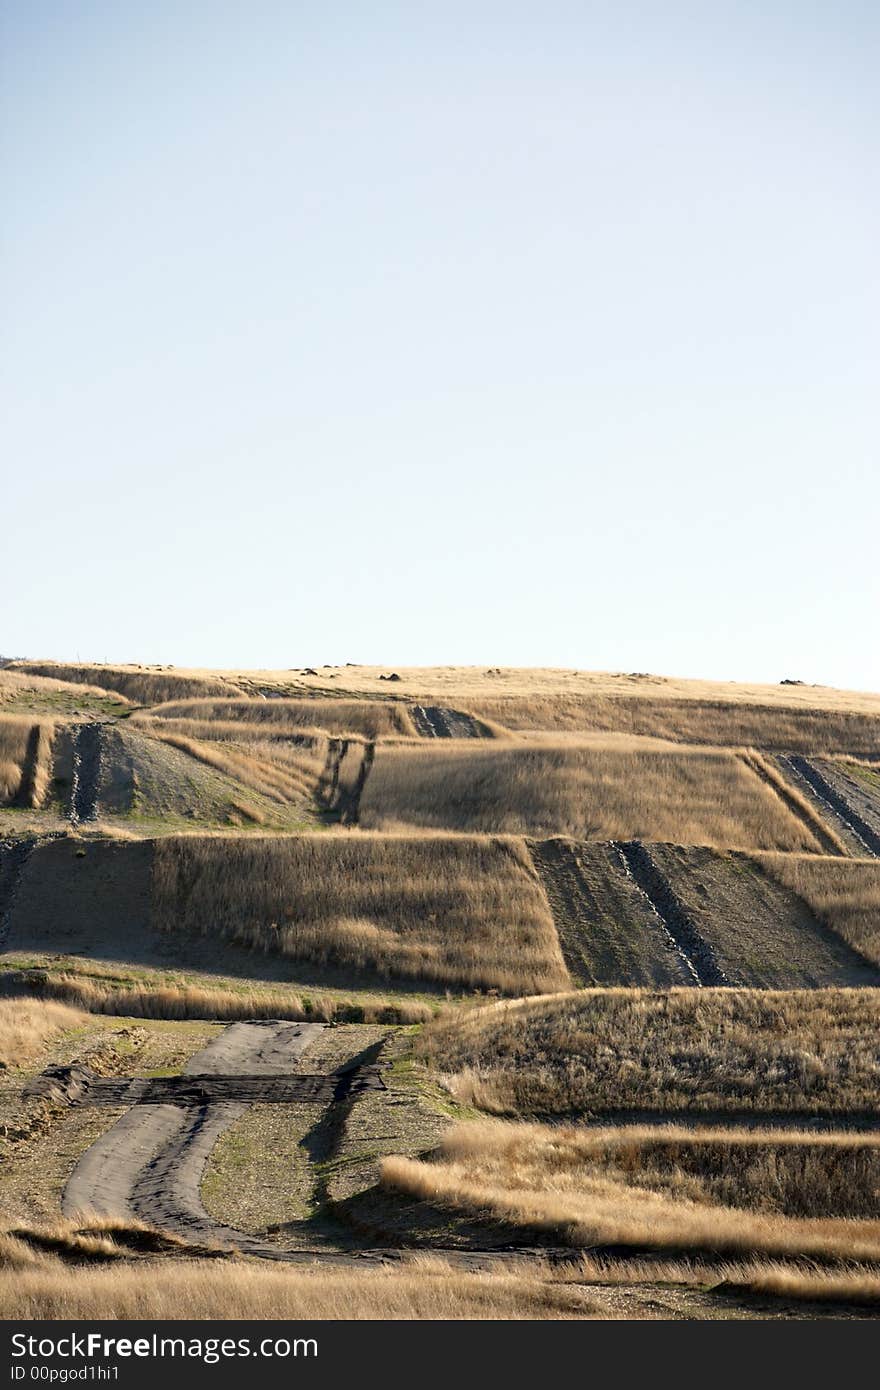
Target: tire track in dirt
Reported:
point(435, 721)
point(558, 871)
point(350, 798)
point(78, 1085)
point(149, 1164)
point(696, 953)
point(834, 800)
point(764, 936)
point(86, 780)
point(328, 782)
point(340, 796)
point(608, 929)
point(808, 817)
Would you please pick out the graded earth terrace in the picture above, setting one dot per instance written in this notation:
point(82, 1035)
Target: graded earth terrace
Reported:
point(570, 979)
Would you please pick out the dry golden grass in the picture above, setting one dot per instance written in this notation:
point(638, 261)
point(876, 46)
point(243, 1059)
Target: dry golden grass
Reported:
point(779, 1172)
point(16, 684)
point(788, 1281)
point(370, 718)
point(824, 834)
point(605, 1188)
point(26, 1024)
point(92, 1237)
point(529, 686)
point(139, 684)
point(602, 789)
point(452, 685)
point(452, 910)
point(14, 735)
point(284, 770)
point(844, 894)
point(702, 1051)
point(730, 721)
point(816, 1285)
point(41, 772)
point(36, 1285)
point(239, 731)
point(25, 759)
point(99, 996)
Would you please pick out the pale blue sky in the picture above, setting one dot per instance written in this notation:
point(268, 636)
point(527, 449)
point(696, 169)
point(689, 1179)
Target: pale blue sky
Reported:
point(509, 334)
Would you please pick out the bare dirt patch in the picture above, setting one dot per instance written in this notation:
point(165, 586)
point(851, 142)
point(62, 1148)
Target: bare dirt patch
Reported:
point(849, 793)
point(761, 934)
point(267, 1173)
point(608, 931)
point(436, 721)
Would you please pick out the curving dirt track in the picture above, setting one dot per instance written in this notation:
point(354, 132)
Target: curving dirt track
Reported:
point(149, 1164)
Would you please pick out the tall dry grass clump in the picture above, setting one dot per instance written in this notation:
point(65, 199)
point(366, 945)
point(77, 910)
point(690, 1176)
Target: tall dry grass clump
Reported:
point(457, 911)
point(14, 735)
point(39, 777)
point(844, 894)
point(613, 1188)
point(26, 1024)
point(179, 1002)
point(25, 760)
point(371, 719)
point(788, 1280)
point(36, 1285)
point(599, 790)
point(702, 1051)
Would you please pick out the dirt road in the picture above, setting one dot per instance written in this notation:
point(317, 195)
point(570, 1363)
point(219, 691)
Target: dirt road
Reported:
point(14, 855)
point(693, 950)
point(149, 1164)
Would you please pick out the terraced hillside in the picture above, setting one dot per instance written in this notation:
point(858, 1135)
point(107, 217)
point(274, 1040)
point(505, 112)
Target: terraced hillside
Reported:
point(451, 912)
point(272, 942)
